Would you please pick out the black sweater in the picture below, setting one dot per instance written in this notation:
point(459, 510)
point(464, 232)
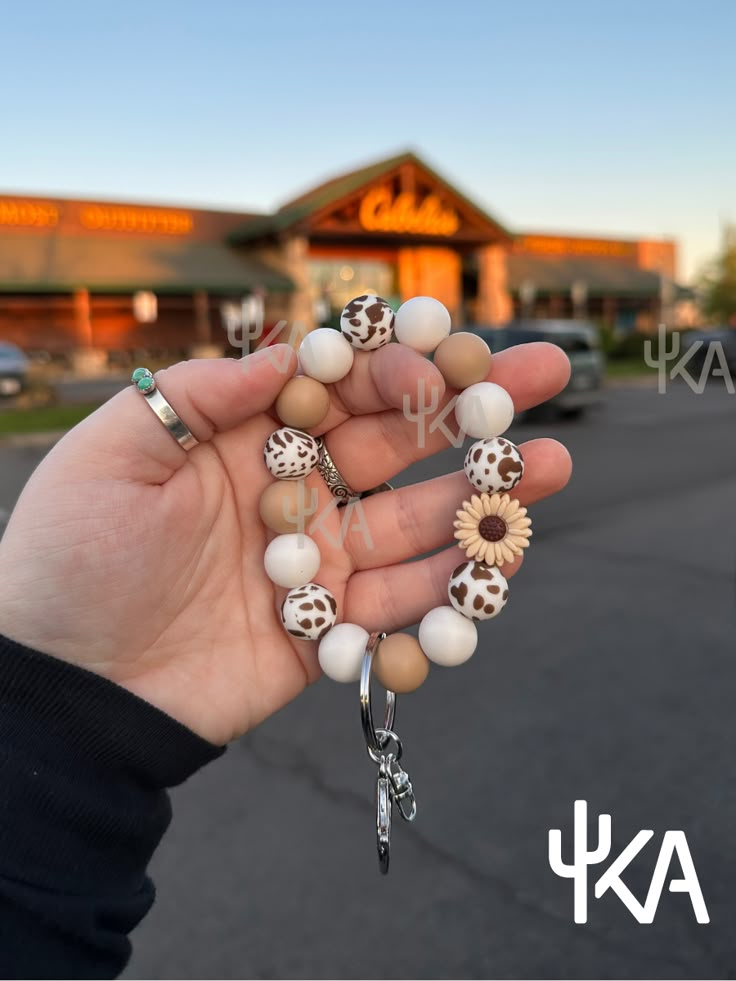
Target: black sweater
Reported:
point(83, 769)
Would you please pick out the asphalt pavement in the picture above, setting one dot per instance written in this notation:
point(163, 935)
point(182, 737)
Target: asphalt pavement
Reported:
point(609, 677)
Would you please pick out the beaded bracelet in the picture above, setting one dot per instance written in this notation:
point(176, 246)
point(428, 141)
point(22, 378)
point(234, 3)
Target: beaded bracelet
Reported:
point(490, 526)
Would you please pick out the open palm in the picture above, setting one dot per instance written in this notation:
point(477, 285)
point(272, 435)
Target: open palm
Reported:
point(143, 563)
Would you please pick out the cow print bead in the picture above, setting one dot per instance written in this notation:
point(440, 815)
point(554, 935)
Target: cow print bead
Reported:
point(477, 590)
point(494, 465)
point(367, 322)
point(290, 454)
point(309, 611)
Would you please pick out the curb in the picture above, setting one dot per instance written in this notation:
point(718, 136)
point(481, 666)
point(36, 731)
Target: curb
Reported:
point(42, 440)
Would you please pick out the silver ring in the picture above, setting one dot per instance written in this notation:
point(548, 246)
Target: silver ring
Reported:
point(142, 377)
point(331, 475)
point(335, 480)
point(374, 741)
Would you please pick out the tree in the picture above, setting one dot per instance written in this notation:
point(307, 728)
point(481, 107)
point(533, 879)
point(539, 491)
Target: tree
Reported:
point(719, 282)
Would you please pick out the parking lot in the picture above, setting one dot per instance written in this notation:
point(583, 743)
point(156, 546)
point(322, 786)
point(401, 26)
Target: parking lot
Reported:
point(609, 677)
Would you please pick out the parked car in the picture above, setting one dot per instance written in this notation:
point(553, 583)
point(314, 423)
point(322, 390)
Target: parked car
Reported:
point(580, 342)
point(702, 339)
point(13, 369)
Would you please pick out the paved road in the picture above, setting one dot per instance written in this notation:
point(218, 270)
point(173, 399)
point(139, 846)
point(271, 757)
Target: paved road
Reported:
point(609, 677)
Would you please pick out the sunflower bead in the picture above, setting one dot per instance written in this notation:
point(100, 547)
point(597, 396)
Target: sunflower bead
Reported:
point(492, 528)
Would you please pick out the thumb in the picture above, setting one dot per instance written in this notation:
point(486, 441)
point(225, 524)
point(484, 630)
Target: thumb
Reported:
point(124, 438)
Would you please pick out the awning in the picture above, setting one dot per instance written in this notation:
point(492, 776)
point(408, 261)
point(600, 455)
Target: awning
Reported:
point(113, 264)
point(601, 276)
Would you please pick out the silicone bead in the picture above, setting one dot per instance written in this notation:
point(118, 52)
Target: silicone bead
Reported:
point(324, 354)
point(367, 322)
point(290, 454)
point(494, 465)
point(492, 528)
point(286, 506)
point(309, 611)
point(291, 560)
point(303, 402)
point(477, 590)
point(447, 637)
point(463, 359)
point(341, 652)
point(422, 323)
point(400, 664)
point(484, 410)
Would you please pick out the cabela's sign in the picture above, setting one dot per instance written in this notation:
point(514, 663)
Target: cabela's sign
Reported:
point(28, 214)
point(381, 211)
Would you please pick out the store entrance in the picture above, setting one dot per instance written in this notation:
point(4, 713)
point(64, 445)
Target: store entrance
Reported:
point(333, 281)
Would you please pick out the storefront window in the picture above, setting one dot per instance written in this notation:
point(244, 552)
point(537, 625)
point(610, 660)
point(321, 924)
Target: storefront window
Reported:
point(335, 281)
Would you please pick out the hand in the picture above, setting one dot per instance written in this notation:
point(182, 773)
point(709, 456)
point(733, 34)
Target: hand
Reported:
point(141, 562)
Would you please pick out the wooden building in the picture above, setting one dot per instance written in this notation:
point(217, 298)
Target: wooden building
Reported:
point(104, 276)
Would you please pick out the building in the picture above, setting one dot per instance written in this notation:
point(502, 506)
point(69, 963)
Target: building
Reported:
point(104, 276)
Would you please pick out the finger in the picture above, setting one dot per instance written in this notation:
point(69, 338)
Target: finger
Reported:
point(390, 378)
point(125, 439)
point(390, 441)
point(398, 596)
point(408, 522)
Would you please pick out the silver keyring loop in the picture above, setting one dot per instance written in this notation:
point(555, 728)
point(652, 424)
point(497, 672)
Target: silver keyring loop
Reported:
point(373, 741)
point(384, 737)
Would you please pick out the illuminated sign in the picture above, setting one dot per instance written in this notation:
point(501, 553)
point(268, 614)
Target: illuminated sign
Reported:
point(28, 214)
point(380, 211)
point(560, 246)
point(119, 218)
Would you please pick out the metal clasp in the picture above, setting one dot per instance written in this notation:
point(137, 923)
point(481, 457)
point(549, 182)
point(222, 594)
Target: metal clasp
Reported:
point(402, 792)
point(385, 749)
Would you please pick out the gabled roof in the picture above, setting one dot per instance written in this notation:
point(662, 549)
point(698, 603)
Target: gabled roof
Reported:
point(337, 189)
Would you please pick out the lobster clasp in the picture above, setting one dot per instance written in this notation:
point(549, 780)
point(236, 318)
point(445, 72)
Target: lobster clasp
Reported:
point(383, 821)
point(402, 792)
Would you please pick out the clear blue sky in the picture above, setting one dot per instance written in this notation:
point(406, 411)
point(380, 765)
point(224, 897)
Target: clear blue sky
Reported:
point(612, 117)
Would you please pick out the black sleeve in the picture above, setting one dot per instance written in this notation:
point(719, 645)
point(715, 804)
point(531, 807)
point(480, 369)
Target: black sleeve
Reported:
point(83, 769)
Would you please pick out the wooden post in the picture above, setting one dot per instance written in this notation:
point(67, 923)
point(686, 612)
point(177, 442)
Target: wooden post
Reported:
point(494, 301)
point(82, 318)
point(202, 325)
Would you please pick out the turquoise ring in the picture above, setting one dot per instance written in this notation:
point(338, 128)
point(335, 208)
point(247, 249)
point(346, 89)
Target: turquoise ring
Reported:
point(144, 382)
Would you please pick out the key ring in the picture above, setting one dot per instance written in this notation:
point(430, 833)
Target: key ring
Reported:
point(374, 741)
point(393, 785)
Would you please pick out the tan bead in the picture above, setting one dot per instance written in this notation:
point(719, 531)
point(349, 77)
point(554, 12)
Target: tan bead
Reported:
point(400, 664)
point(280, 503)
point(303, 403)
point(464, 359)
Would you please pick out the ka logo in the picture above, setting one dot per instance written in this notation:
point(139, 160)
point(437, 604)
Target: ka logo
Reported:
point(673, 842)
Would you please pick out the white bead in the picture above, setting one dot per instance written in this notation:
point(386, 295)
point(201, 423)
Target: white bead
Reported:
point(367, 322)
point(422, 323)
point(324, 354)
point(309, 611)
point(477, 590)
point(494, 466)
point(290, 454)
point(447, 637)
point(291, 560)
point(484, 410)
point(341, 652)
